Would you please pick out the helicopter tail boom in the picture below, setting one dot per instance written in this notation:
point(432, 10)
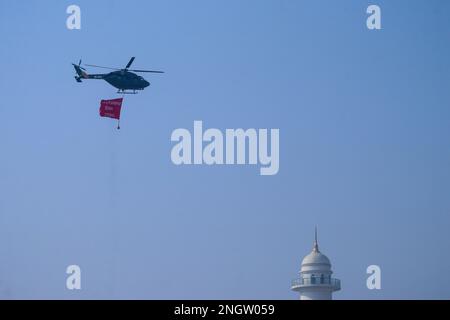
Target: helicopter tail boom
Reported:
point(82, 74)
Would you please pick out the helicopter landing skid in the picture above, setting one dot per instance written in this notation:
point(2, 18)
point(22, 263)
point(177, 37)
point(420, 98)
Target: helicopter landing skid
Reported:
point(127, 92)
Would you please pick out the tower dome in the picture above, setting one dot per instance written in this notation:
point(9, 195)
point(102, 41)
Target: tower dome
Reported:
point(316, 260)
point(315, 282)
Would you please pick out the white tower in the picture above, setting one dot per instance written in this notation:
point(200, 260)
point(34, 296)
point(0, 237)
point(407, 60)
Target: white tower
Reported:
point(315, 281)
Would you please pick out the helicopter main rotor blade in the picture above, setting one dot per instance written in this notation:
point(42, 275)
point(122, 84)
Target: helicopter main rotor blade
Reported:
point(151, 71)
point(130, 63)
point(93, 65)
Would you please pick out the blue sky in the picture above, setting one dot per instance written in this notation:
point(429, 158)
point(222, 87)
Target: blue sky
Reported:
point(364, 149)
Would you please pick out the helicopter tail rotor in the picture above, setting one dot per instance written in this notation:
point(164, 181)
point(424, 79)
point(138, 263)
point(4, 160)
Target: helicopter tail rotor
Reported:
point(81, 72)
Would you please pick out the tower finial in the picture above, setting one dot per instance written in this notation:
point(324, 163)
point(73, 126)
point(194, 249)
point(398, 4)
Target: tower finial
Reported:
point(316, 244)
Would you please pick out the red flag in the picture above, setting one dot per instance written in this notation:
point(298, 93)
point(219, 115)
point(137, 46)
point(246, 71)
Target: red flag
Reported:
point(111, 108)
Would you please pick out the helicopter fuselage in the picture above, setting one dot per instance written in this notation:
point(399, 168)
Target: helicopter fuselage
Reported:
point(126, 80)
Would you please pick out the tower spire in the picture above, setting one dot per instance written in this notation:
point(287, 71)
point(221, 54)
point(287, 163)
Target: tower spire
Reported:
point(316, 244)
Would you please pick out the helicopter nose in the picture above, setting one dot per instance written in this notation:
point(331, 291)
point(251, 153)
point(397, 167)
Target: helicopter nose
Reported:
point(146, 83)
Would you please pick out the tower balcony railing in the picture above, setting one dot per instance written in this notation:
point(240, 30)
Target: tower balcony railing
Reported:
point(316, 282)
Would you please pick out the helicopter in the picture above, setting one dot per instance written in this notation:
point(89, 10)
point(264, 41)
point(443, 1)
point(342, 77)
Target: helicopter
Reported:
point(125, 80)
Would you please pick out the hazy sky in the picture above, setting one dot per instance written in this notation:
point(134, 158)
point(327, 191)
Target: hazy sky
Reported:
point(364, 125)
